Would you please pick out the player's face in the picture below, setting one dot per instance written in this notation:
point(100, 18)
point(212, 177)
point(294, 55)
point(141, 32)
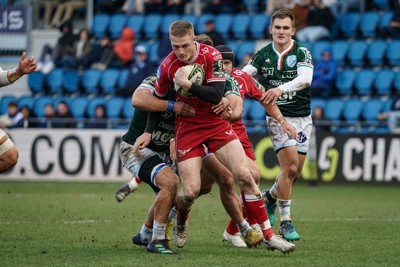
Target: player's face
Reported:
point(227, 64)
point(183, 47)
point(282, 31)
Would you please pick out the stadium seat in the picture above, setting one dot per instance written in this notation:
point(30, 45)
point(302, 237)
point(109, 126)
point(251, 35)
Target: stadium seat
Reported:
point(318, 47)
point(223, 24)
point(371, 110)
point(58, 99)
point(333, 109)
point(199, 28)
point(396, 82)
point(246, 108)
point(317, 102)
point(190, 18)
point(153, 52)
point(383, 82)
point(245, 48)
point(116, 24)
point(352, 110)
point(166, 21)
point(71, 81)
point(259, 26)
point(234, 46)
point(90, 81)
point(26, 100)
point(136, 22)
point(240, 25)
point(376, 52)
point(93, 102)
point(385, 19)
point(109, 80)
point(151, 26)
point(369, 23)
point(36, 82)
point(349, 24)
point(128, 109)
point(5, 99)
point(257, 116)
point(122, 78)
point(78, 107)
point(364, 82)
point(114, 107)
point(382, 4)
point(356, 53)
point(345, 82)
point(38, 106)
point(392, 53)
point(100, 24)
point(339, 51)
point(54, 81)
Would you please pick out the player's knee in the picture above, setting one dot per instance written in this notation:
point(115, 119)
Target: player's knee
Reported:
point(256, 174)
point(190, 195)
point(226, 181)
point(292, 172)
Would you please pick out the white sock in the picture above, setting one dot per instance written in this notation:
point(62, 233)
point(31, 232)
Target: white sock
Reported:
point(158, 231)
point(284, 209)
point(145, 233)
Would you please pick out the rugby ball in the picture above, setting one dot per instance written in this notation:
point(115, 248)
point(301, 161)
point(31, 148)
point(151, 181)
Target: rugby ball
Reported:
point(196, 75)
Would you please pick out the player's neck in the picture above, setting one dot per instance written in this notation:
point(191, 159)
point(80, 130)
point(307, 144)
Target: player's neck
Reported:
point(282, 47)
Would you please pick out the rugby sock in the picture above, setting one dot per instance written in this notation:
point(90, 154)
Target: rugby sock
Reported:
point(270, 198)
point(158, 231)
point(232, 228)
point(134, 183)
point(274, 190)
point(248, 215)
point(146, 233)
point(255, 205)
point(172, 213)
point(182, 216)
point(243, 227)
point(284, 209)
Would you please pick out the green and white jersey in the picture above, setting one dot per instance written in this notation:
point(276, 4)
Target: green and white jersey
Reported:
point(163, 132)
point(276, 69)
point(232, 86)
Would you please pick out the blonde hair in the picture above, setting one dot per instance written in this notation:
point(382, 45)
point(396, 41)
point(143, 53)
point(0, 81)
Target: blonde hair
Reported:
point(181, 28)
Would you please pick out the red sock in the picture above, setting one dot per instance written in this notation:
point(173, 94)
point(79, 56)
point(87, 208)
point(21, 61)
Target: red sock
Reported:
point(182, 216)
point(138, 180)
point(256, 207)
point(232, 228)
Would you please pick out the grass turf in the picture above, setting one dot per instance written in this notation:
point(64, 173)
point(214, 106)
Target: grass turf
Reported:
point(80, 224)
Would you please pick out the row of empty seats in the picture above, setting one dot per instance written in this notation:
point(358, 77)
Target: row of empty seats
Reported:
point(235, 26)
point(359, 53)
point(368, 82)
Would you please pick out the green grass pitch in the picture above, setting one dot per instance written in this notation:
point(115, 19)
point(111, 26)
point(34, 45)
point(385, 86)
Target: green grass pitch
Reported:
point(80, 224)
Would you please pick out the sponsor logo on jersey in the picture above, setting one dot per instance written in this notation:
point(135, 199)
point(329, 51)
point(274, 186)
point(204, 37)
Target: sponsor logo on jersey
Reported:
point(268, 61)
point(205, 50)
point(302, 138)
point(291, 61)
point(218, 69)
point(267, 71)
point(159, 72)
point(182, 153)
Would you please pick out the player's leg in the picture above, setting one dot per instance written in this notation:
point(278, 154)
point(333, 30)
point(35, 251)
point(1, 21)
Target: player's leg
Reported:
point(143, 238)
point(189, 173)
point(231, 202)
point(8, 152)
point(232, 156)
point(127, 188)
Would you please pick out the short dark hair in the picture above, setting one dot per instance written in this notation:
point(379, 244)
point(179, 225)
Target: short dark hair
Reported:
point(283, 13)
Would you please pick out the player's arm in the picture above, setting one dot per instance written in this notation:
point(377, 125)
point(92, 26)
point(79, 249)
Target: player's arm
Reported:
point(144, 99)
point(234, 112)
point(25, 66)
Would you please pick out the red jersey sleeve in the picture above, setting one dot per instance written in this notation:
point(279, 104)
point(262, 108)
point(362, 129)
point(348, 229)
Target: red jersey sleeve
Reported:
point(164, 80)
point(248, 85)
point(213, 58)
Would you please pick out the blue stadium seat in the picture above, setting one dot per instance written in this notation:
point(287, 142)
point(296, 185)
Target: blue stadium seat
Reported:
point(382, 4)
point(240, 25)
point(349, 24)
point(317, 49)
point(151, 27)
point(71, 81)
point(26, 100)
point(93, 102)
point(38, 106)
point(257, 116)
point(364, 82)
point(136, 22)
point(259, 26)
point(36, 82)
point(122, 78)
point(369, 24)
point(345, 82)
point(333, 109)
point(234, 46)
point(128, 109)
point(385, 19)
point(114, 107)
point(317, 102)
point(376, 52)
point(190, 18)
point(54, 81)
point(58, 99)
point(392, 53)
point(383, 82)
point(153, 52)
point(167, 19)
point(371, 110)
point(199, 28)
point(5, 99)
point(109, 80)
point(246, 47)
point(356, 53)
point(100, 24)
point(90, 81)
point(116, 24)
point(78, 107)
point(387, 105)
point(352, 110)
point(246, 108)
point(396, 82)
point(223, 24)
point(339, 51)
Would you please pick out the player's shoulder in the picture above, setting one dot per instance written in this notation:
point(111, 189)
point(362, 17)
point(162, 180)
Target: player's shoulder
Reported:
point(300, 47)
point(209, 51)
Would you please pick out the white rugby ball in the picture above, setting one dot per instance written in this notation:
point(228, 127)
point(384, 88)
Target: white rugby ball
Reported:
point(196, 75)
